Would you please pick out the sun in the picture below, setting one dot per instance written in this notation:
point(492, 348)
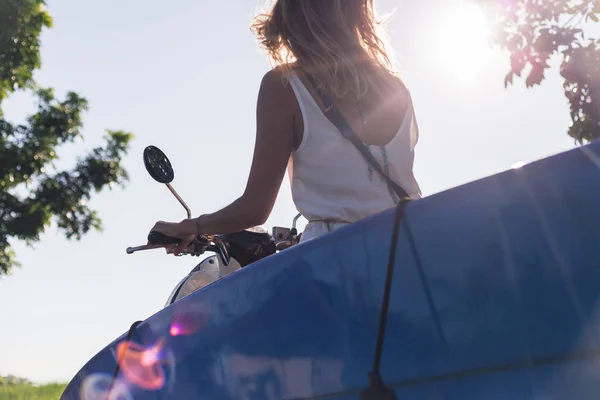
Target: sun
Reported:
point(461, 46)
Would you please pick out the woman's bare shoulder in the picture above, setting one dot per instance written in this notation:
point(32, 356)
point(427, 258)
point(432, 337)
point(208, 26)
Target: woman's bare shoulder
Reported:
point(275, 86)
point(278, 76)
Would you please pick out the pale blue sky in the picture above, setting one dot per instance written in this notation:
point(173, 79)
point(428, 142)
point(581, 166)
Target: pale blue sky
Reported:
point(183, 75)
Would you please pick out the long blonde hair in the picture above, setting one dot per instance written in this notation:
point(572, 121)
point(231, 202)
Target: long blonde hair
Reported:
point(336, 41)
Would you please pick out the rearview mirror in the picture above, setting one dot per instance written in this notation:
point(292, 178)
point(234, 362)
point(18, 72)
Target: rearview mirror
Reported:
point(160, 169)
point(158, 165)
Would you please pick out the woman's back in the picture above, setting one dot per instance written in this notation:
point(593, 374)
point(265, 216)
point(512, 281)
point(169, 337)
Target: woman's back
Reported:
point(332, 184)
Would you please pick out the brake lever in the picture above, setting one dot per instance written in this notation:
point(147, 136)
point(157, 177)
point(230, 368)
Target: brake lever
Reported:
point(156, 240)
point(196, 248)
point(131, 250)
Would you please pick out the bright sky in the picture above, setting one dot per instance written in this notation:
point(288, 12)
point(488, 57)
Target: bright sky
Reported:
point(183, 75)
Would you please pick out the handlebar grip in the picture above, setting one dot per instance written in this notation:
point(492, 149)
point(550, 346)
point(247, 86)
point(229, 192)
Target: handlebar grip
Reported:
point(158, 238)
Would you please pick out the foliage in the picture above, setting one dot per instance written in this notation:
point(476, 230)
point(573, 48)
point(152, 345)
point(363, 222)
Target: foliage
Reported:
point(32, 191)
point(13, 388)
point(21, 22)
point(533, 31)
point(13, 380)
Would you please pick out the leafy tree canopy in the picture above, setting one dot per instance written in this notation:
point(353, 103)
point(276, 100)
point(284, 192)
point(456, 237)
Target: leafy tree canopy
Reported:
point(533, 31)
point(33, 192)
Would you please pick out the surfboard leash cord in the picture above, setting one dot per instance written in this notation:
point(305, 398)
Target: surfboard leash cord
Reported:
point(377, 390)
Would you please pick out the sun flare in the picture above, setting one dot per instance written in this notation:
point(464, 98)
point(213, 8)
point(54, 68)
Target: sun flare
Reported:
point(461, 47)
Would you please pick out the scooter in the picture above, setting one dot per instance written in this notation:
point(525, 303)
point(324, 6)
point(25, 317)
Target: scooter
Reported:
point(233, 251)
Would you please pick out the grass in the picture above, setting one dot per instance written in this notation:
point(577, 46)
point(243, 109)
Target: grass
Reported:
point(27, 391)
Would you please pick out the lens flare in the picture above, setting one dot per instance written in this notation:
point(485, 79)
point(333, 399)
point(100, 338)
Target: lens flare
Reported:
point(97, 386)
point(186, 322)
point(142, 366)
point(185, 325)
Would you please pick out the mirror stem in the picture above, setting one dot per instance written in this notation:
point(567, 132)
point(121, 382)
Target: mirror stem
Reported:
point(296, 220)
point(187, 209)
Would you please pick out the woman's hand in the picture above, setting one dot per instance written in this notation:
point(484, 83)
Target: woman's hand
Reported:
point(179, 230)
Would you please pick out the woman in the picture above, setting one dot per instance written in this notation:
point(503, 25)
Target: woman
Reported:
point(333, 44)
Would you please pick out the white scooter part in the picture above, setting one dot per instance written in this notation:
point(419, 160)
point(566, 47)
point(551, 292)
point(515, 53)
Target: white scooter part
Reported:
point(208, 271)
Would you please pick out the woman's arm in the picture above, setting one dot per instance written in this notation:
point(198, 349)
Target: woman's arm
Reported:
point(274, 142)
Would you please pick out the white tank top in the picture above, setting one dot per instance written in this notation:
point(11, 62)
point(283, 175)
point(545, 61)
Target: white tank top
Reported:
point(331, 181)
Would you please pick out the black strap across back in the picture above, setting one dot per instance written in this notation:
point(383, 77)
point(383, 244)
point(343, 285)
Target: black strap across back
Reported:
point(333, 114)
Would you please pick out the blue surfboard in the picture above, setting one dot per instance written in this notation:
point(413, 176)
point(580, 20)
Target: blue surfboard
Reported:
point(500, 300)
